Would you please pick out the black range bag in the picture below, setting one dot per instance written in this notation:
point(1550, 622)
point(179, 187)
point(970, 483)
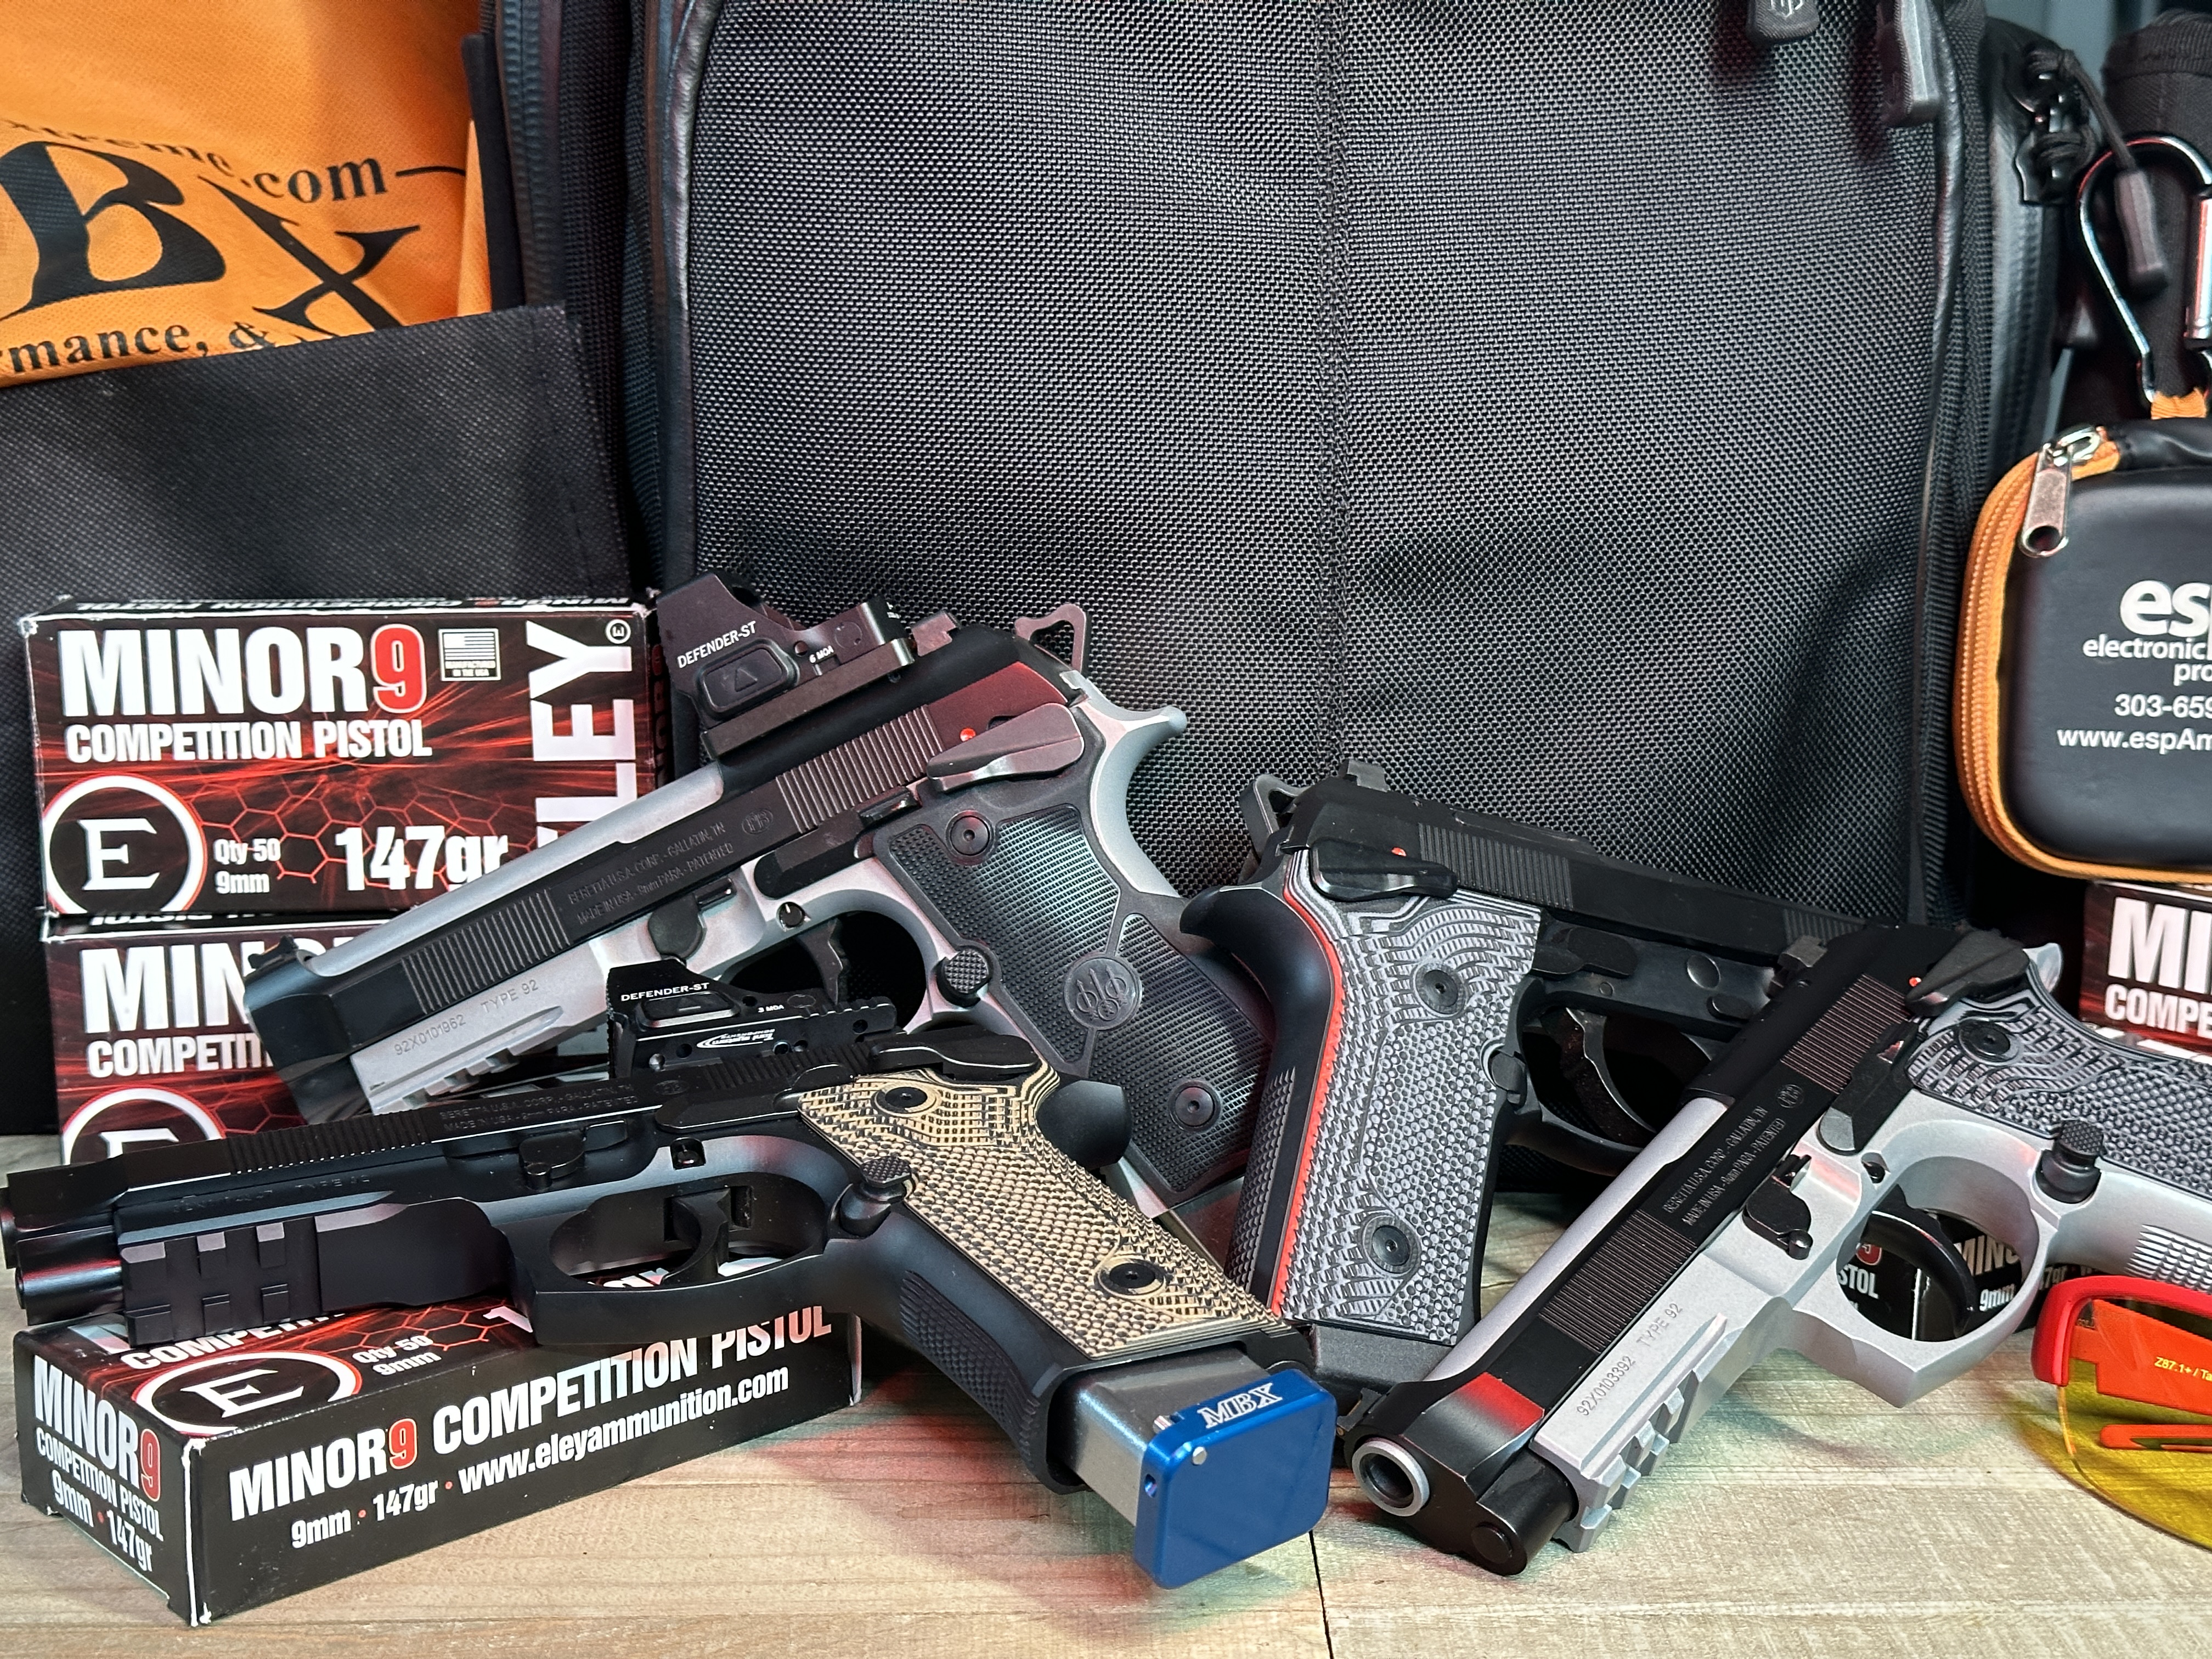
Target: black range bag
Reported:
point(1577, 411)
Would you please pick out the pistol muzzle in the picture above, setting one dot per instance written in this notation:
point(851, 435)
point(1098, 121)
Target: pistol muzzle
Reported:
point(69, 1288)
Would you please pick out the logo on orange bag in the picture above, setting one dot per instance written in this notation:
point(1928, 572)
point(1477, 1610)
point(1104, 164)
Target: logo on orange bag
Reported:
point(218, 186)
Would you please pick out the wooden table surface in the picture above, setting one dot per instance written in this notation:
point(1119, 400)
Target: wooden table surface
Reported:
point(1802, 1517)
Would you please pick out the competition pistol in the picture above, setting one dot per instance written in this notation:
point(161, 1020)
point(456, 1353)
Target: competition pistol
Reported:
point(1909, 1075)
point(959, 780)
point(928, 1184)
point(1447, 984)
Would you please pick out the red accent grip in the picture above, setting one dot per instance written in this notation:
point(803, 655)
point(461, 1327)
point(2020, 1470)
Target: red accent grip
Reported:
point(1324, 1071)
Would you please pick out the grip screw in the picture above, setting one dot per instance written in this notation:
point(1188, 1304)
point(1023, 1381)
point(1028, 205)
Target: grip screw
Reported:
point(1196, 1105)
point(968, 835)
point(1985, 1040)
point(1133, 1278)
point(1390, 1244)
point(1439, 990)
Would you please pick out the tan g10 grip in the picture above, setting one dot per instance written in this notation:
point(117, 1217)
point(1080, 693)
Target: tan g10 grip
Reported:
point(980, 1174)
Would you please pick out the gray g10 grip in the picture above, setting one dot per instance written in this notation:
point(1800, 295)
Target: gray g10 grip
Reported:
point(1090, 969)
point(1364, 1202)
point(2024, 1062)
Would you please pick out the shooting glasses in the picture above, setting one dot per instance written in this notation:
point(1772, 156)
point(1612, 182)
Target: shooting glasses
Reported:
point(2132, 1361)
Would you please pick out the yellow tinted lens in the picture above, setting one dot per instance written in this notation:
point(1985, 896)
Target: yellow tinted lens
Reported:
point(2136, 1410)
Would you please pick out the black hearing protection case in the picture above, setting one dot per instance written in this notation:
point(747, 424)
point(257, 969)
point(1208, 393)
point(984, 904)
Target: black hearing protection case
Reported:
point(2107, 666)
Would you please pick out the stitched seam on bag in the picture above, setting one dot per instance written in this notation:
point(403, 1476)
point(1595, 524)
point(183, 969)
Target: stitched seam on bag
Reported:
point(541, 325)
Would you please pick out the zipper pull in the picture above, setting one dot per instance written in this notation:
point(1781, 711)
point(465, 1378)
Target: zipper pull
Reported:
point(2043, 529)
point(1911, 62)
point(1770, 20)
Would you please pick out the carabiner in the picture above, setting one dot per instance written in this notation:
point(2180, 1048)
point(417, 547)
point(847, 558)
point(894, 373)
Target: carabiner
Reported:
point(2197, 316)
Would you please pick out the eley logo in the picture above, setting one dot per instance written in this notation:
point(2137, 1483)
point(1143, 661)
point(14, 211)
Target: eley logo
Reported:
point(118, 844)
point(234, 1391)
point(123, 1119)
point(1230, 1407)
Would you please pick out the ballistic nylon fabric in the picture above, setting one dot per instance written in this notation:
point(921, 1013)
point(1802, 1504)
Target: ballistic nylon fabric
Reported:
point(1531, 399)
point(454, 457)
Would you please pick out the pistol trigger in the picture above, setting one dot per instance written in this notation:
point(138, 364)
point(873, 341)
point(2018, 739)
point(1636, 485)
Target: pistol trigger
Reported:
point(710, 1223)
point(1897, 1225)
point(825, 947)
point(1580, 1034)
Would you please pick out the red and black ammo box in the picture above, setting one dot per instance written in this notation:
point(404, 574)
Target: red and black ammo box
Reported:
point(229, 1471)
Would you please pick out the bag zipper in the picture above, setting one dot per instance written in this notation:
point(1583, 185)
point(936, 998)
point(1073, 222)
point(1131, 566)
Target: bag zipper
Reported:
point(2043, 525)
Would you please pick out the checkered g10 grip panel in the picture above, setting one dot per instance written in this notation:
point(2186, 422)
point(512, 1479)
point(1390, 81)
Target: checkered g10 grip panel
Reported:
point(1397, 1146)
point(1098, 988)
point(2027, 1064)
point(982, 1177)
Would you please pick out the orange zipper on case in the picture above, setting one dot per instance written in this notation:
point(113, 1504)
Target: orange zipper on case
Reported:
point(1977, 702)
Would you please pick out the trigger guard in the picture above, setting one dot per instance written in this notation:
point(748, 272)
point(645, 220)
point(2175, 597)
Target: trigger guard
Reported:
point(1828, 1329)
point(532, 1268)
point(566, 1312)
